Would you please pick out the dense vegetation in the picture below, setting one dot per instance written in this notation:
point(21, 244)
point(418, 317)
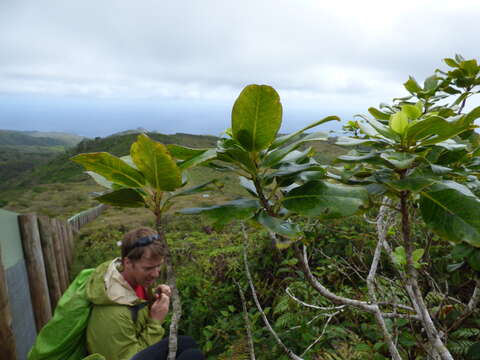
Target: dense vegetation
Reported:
point(418, 157)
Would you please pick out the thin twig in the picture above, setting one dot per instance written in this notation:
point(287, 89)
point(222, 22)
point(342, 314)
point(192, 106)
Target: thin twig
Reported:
point(326, 308)
point(289, 352)
point(323, 332)
point(248, 326)
point(383, 222)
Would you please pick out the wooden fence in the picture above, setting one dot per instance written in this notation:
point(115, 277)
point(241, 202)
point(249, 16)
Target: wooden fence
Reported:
point(48, 246)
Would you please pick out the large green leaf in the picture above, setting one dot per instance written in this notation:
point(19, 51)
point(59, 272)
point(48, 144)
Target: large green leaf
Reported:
point(208, 186)
point(256, 117)
point(156, 163)
point(285, 138)
point(412, 86)
point(399, 160)
point(275, 156)
point(278, 226)
point(473, 115)
point(318, 198)
point(452, 211)
point(182, 152)
point(100, 180)
point(123, 198)
point(382, 129)
point(348, 141)
point(452, 127)
point(290, 169)
point(399, 122)
point(429, 126)
point(202, 158)
point(378, 114)
point(222, 214)
point(111, 168)
point(231, 151)
point(413, 184)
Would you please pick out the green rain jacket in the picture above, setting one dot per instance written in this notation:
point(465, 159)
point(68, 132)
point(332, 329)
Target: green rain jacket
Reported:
point(112, 331)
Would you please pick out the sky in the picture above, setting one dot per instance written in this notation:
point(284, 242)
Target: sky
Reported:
point(95, 67)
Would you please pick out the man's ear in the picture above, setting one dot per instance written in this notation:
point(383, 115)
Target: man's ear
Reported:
point(127, 263)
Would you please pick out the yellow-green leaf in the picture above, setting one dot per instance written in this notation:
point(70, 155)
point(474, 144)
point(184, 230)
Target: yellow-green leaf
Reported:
point(155, 162)
point(412, 111)
point(111, 168)
point(256, 117)
point(399, 122)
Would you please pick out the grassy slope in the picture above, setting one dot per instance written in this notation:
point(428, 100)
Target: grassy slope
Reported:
point(10, 137)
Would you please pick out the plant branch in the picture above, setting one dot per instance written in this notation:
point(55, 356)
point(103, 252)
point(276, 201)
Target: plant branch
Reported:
point(321, 334)
point(412, 282)
point(325, 308)
point(248, 326)
point(302, 257)
point(471, 307)
point(289, 352)
point(172, 282)
point(383, 223)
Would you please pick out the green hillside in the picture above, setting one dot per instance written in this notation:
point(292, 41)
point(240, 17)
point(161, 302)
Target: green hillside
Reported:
point(21, 138)
point(66, 138)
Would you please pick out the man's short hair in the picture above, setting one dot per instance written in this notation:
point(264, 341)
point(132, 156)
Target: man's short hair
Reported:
point(141, 241)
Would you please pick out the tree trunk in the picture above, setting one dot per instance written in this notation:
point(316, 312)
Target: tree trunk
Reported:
point(172, 282)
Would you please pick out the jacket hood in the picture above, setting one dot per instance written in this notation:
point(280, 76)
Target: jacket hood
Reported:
point(107, 286)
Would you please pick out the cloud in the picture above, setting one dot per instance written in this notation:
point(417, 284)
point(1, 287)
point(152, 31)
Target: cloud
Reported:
point(346, 53)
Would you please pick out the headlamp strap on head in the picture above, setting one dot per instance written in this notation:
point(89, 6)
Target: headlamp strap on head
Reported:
point(144, 241)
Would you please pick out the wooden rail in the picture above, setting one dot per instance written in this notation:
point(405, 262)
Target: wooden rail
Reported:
point(48, 249)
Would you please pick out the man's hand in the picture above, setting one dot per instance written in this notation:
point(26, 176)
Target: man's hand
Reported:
point(159, 309)
point(163, 289)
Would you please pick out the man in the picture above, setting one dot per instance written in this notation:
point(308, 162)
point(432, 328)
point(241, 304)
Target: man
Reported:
point(121, 324)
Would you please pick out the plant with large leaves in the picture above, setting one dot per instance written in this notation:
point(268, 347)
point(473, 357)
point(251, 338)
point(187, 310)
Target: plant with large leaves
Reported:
point(151, 177)
point(279, 172)
point(422, 152)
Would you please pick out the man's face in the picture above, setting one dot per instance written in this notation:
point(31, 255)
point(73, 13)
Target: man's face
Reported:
point(143, 272)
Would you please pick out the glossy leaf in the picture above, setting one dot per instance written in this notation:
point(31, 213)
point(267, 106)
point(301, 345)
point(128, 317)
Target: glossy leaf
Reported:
point(452, 211)
point(275, 156)
point(256, 117)
point(285, 138)
point(412, 86)
point(199, 159)
point(123, 198)
point(451, 62)
point(413, 184)
point(182, 152)
point(348, 141)
point(412, 111)
point(278, 226)
point(240, 209)
point(248, 185)
point(111, 168)
point(382, 129)
point(399, 122)
point(451, 127)
point(208, 186)
point(432, 125)
point(229, 150)
point(399, 160)
point(290, 169)
point(378, 114)
point(156, 163)
point(100, 180)
point(325, 199)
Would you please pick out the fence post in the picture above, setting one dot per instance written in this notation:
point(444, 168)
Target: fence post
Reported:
point(37, 277)
point(60, 255)
point(49, 257)
point(7, 338)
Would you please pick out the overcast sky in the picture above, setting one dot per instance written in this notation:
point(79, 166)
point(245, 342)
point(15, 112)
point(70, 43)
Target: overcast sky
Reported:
point(95, 67)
